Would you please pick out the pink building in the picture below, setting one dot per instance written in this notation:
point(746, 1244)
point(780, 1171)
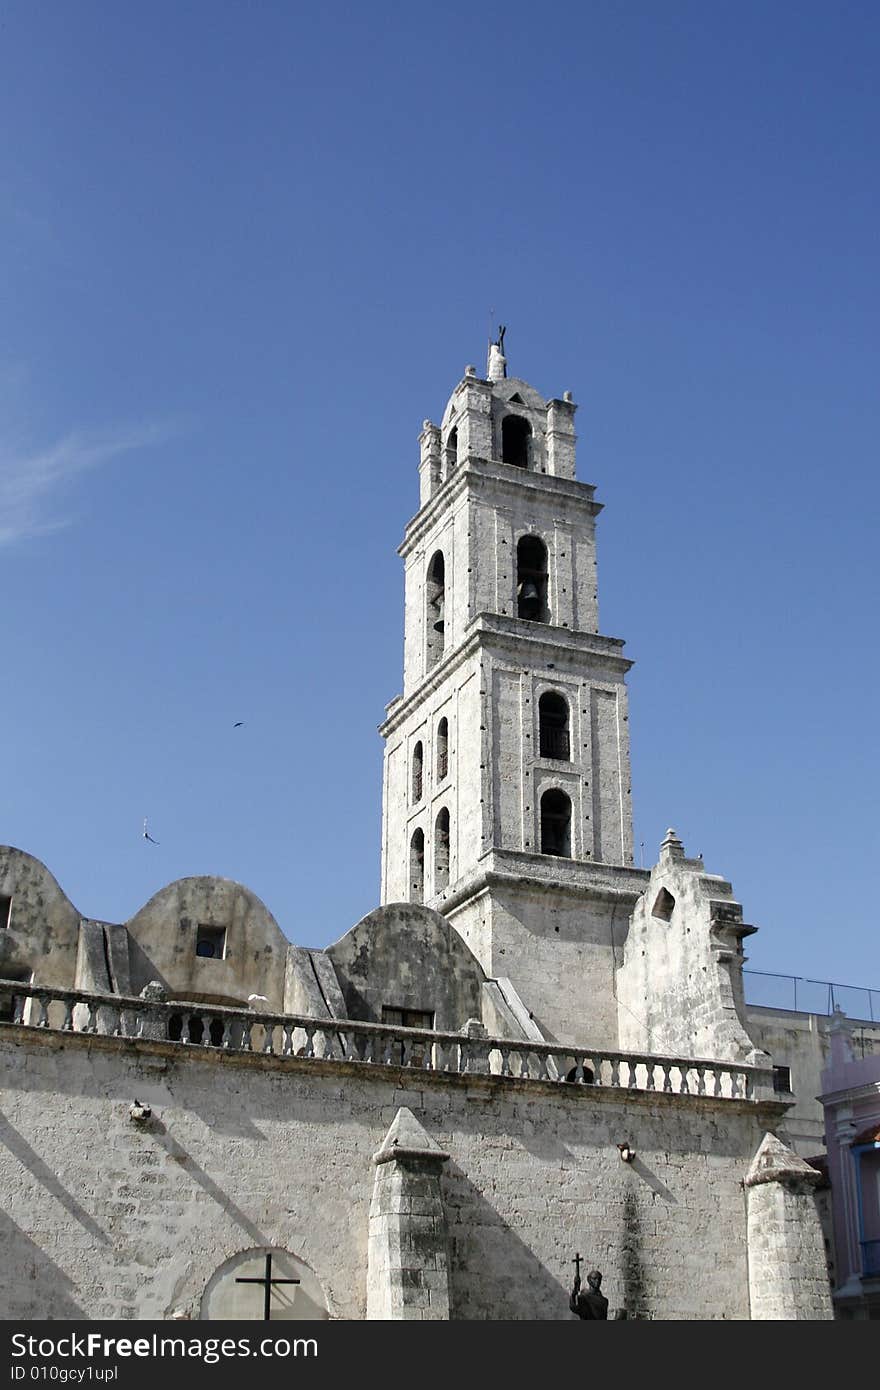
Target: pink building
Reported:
point(851, 1100)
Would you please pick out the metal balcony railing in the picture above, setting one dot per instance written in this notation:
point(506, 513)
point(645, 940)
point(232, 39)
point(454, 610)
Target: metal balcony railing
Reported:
point(769, 989)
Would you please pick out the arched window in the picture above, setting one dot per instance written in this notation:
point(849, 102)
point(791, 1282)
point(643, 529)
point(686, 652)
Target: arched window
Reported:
point(556, 824)
point(442, 749)
point(441, 850)
point(435, 610)
point(531, 579)
point(664, 905)
point(417, 765)
point(555, 741)
point(515, 436)
point(417, 867)
point(451, 449)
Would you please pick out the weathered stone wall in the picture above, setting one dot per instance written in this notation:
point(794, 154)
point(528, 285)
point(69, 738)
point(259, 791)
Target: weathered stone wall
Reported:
point(405, 956)
point(163, 943)
point(680, 986)
point(455, 698)
point(800, 1041)
point(558, 948)
point(43, 931)
point(104, 1217)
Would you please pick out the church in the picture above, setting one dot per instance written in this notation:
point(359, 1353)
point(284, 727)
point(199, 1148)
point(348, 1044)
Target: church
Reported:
point(532, 1060)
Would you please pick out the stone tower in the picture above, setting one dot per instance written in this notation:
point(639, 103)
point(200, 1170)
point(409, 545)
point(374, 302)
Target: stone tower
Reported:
point(506, 799)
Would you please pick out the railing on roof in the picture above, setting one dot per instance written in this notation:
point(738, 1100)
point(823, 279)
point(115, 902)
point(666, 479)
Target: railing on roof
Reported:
point(810, 996)
point(212, 1028)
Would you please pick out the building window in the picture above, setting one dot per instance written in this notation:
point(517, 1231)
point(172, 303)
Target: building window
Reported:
point(412, 1053)
point(451, 449)
point(418, 760)
point(531, 580)
point(782, 1080)
point(441, 850)
point(442, 749)
point(407, 1018)
point(554, 737)
point(211, 942)
point(516, 435)
point(417, 867)
point(664, 906)
point(556, 824)
point(435, 610)
point(5, 910)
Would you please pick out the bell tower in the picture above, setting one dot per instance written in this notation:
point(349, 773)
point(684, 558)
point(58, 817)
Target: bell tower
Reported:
point(506, 798)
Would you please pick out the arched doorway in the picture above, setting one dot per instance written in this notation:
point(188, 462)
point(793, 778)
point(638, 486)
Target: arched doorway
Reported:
point(256, 1282)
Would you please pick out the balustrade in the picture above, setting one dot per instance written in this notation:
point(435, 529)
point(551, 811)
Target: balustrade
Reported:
point(218, 1029)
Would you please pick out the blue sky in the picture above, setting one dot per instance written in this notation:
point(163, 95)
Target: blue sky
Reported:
point(246, 249)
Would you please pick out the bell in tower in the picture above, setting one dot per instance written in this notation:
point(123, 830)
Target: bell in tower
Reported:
point(528, 600)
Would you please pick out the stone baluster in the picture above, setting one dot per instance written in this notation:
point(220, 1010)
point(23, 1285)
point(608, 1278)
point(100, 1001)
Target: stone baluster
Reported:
point(475, 1050)
point(152, 1021)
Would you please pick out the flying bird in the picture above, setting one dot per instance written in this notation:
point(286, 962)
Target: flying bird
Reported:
point(239, 725)
point(147, 835)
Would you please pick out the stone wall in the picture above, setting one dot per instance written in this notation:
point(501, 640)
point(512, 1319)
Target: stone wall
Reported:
point(106, 1216)
point(680, 988)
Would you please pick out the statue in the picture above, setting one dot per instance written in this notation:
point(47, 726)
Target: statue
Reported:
point(502, 329)
point(593, 1303)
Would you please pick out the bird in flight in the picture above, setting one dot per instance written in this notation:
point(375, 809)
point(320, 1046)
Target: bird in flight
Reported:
point(147, 835)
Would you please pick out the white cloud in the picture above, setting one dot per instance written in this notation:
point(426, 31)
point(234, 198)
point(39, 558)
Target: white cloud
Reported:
point(31, 483)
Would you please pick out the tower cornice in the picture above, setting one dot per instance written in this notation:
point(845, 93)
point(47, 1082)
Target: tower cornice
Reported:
point(526, 642)
point(511, 484)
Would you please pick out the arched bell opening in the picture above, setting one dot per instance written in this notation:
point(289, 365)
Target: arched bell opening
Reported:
point(516, 437)
point(441, 851)
point(450, 453)
point(435, 610)
point(417, 867)
point(554, 736)
point(531, 577)
point(556, 824)
point(418, 760)
point(442, 750)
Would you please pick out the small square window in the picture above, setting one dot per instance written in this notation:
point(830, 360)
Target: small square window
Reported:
point(782, 1080)
point(211, 942)
point(5, 910)
point(407, 1018)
